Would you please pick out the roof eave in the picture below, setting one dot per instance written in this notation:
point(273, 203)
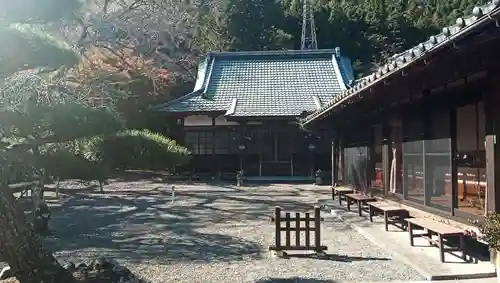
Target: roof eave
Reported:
point(161, 107)
point(380, 75)
point(200, 87)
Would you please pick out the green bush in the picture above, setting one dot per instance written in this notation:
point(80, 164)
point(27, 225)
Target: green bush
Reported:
point(94, 158)
point(141, 149)
point(491, 230)
point(18, 166)
point(65, 164)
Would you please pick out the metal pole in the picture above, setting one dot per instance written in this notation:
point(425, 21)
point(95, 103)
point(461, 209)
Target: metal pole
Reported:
point(173, 193)
point(260, 164)
point(241, 161)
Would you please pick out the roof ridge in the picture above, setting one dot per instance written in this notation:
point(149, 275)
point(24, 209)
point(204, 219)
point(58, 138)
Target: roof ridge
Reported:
point(272, 52)
point(336, 67)
point(207, 77)
point(399, 61)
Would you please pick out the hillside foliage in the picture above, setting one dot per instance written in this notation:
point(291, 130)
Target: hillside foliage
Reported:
point(368, 31)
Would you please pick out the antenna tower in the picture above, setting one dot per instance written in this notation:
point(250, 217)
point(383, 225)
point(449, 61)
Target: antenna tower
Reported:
point(308, 40)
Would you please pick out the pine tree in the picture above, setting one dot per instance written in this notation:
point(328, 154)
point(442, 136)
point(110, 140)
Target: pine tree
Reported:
point(34, 101)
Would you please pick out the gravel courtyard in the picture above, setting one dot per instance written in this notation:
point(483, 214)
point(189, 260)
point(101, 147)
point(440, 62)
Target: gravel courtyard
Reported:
point(211, 233)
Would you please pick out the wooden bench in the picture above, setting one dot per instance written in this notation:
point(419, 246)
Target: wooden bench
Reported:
point(341, 192)
point(392, 214)
point(443, 231)
point(360, 199)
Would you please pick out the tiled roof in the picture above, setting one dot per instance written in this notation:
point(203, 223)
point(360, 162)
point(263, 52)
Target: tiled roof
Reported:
point(480, 16)
point(266, 83)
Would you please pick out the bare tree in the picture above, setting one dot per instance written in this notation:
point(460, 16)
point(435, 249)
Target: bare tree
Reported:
point(159, 29)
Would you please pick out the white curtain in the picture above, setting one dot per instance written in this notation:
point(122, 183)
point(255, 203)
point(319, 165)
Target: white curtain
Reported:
point(393, 172)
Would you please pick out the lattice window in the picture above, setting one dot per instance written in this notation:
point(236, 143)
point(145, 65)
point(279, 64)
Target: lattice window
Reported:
point(191, 141)
point(221, 141)
point(206, 142)
point(200, 142)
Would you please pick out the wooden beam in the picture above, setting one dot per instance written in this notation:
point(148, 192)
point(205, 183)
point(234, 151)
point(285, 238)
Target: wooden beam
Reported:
point(492, 98)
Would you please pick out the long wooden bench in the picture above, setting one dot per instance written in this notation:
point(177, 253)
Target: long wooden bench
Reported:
point(360, 199)
point(340, 192)
point(443, 231)
point(393, 214)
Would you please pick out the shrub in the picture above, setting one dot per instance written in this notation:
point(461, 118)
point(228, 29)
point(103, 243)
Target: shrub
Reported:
point(142, 149)
point(490, 230)
point(65, 164)
point(94, 158)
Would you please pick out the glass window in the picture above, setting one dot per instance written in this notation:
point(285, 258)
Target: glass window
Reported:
point(377, 175)
point(355, 166)
point(471, 165)
point(413, 169)
point(438, 161)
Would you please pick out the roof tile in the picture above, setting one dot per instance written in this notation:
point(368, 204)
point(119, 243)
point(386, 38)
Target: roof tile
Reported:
point(269, 83)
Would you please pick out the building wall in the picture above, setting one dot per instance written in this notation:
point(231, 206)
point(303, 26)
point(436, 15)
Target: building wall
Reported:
point(259, 148)
point(197, 120)
point(436, 155)
point(439, 123)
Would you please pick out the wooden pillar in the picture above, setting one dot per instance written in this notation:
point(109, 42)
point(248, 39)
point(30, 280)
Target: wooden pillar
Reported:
point(340, 148)
point(425, 115)
point(386, 156)
point(370, 164)
point(334, 160)
point(241, 142)
point(492, 99)
point(454, 168)
point(175, 129)
point(216, 169)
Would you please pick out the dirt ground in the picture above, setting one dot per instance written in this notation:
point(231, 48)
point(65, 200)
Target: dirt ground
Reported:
point(210, 233)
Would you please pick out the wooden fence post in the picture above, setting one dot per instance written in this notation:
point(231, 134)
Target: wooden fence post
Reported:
point(308, 228)
point(277, 219)
point(317, 228)
point(297, 229)
point(287, 231)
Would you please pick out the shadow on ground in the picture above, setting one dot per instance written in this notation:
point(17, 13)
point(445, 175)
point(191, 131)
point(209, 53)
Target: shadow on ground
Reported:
point(294, 280)
point(144, 225)
point(336, 257)
point(130, 228)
